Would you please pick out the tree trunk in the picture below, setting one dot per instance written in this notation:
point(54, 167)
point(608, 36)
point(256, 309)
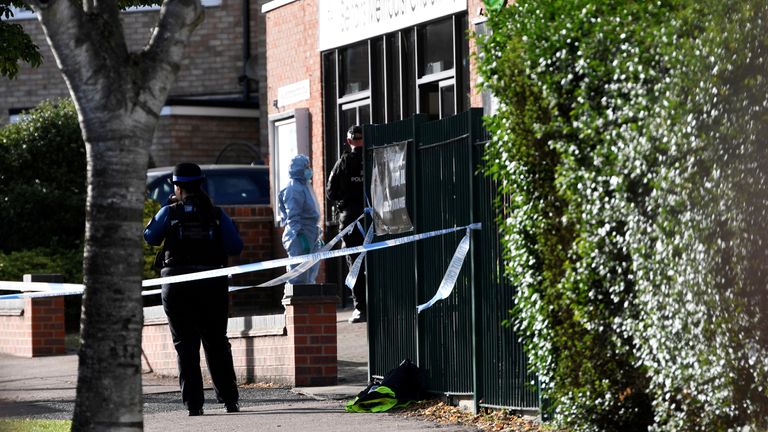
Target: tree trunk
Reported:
point(109, 395)
point(118, 96)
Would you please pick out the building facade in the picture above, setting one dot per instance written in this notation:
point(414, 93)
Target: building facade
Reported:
point(336, 63)
point(214, 110)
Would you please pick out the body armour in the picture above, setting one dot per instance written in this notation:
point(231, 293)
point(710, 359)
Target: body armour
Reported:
point(345, 186)
point(194, 238)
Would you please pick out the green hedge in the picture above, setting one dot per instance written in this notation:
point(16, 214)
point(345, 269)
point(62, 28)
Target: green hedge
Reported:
point(43, 193)
point(42, 180)
point(631, 139)
point(14, 265)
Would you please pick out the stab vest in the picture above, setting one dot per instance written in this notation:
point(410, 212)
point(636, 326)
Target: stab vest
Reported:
point(194, 239)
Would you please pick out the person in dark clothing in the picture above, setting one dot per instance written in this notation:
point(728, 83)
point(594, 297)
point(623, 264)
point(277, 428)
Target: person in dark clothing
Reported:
point(345, 188)
point(197, 236)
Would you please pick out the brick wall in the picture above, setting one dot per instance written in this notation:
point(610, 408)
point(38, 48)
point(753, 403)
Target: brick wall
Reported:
point(201, 139)
point(292, 56)
point(212, 66)
point(296, 349)
point(261, 241)
point(32, 327)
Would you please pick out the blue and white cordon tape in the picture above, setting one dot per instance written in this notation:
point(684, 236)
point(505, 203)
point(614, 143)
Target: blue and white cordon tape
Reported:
point(50, 289)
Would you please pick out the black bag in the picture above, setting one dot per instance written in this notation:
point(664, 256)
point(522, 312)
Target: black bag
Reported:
point(408, 382)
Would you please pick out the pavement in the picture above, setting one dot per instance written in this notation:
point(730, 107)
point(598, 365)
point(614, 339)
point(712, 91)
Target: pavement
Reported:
point(44, 388)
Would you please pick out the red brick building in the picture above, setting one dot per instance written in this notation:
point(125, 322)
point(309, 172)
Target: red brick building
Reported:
point(212, 112)
point(335, 63)
point(315, 67)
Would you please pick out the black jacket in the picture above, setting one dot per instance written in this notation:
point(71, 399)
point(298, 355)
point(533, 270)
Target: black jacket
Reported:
point(345, 185)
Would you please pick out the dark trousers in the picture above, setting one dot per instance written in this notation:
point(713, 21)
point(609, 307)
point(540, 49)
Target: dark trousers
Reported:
point(197, 312)
point(355, 238)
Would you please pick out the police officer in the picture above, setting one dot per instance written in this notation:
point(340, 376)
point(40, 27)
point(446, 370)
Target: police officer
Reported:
point(345, 188)
point(197, 236)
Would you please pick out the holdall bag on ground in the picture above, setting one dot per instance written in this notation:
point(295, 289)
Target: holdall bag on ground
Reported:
point(400, 387)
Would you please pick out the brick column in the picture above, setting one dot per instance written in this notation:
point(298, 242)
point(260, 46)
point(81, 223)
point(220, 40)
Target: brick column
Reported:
point(44, 317)
point(310, 320)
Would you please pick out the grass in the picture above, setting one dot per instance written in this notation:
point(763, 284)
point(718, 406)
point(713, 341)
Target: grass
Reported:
point(25, 425)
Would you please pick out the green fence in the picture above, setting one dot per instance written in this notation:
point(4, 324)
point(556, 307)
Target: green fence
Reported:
point(460, 342)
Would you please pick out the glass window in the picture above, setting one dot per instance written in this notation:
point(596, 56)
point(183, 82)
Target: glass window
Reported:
point(286, 147)
point(355, 113)
point(393, 77)
point(378, 76)
point(436, 47)
point(447, 101)
point(408, 58)
point(462, 78)
point(330, 132)
point(353, 63)
point(429, 100)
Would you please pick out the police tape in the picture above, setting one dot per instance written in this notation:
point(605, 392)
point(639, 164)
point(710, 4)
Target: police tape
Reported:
point(351, 278)
point(301, 268)
point(50, 289)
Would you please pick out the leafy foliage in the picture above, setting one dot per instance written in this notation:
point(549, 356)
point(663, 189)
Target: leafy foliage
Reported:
point(68, 263)
point(42, 180)
point(630, 139)
point(151, 207)
point(15, 44)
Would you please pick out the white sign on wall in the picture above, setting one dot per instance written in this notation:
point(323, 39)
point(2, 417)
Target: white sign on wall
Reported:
point(292, 93)
point(342, 22)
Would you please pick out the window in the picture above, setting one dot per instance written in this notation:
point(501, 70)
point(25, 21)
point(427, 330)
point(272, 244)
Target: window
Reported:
point(390, 77)
point(288, 136)
point(354, 69)
point(436, 47)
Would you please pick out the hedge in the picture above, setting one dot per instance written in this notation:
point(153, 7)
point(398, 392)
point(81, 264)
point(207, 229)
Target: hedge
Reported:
point(42, 180)
point(630, 140)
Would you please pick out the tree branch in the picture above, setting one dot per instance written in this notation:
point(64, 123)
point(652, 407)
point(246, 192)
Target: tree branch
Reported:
point(161, 59)
point(90, 50)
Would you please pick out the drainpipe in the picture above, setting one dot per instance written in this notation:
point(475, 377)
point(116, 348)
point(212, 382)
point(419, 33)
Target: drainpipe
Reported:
point(246, 80)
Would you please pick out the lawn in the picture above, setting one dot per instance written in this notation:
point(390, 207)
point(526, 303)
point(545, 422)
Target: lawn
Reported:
point(24, 425)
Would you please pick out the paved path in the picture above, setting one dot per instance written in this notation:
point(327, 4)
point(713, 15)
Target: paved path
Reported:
point(44, 387)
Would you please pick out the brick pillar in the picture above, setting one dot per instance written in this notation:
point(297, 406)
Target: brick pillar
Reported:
point(310, 320)
point(44, 317)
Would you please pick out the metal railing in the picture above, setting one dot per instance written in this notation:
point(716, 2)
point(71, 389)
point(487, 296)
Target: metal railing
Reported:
point(460, 342)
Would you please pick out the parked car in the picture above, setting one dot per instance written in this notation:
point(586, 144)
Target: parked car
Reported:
point(225, 184)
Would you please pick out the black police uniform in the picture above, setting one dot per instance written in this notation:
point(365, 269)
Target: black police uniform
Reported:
point(198, 311)
point(345, 187)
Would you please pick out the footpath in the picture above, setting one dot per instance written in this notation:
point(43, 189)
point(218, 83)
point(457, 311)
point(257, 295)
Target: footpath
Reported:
point(44, 388)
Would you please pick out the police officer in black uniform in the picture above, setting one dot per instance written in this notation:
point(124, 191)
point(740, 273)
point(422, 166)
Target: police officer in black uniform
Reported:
point(198, 236)
point(345, 188)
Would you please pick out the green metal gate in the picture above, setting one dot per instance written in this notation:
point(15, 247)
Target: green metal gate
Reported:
point(460, 341)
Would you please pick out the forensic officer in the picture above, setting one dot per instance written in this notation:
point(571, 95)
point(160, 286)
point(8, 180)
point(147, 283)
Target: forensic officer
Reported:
point(345, 187)
point(197, 236)
point(299, 214)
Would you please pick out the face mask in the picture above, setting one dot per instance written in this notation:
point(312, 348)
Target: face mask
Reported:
point(308, 173)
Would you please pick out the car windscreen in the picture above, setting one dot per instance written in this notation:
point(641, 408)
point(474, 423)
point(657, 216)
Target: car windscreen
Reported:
point(238, 187)
point(160, 189)
point(231, 187)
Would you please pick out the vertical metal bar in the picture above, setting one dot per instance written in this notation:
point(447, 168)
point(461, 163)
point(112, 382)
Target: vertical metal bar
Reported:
point(473, 248)
point(414, 219)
